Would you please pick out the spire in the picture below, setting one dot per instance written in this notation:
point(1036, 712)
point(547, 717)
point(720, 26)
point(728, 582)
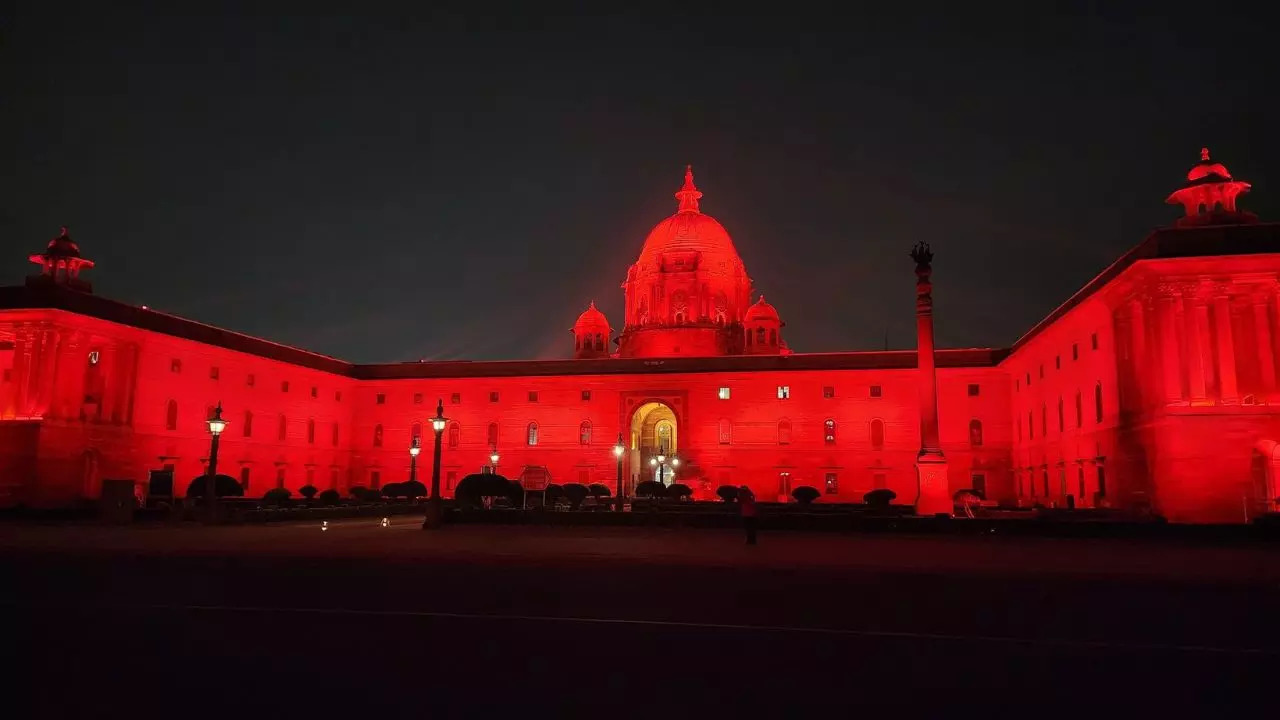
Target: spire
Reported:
point(689, 194)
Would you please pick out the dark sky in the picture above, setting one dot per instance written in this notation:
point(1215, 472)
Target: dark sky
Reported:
point(426, 181)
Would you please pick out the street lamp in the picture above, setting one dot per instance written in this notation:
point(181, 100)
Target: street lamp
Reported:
point(618, 450)
point(493, 461)
point(435, 511)
point(662, 462)
point(414, 449)
point(216, 426)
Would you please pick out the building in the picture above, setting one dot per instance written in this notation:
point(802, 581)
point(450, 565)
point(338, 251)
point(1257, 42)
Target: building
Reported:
point(1153, 386)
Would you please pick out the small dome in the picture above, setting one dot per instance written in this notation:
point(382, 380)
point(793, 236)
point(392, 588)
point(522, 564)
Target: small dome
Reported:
point(592, 320)
point(761, 310)
point(62, 246)
point(1207, 170)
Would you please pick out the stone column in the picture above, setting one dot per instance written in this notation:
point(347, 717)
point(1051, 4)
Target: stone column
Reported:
point(933, 490)
point(1262, 330)
point(1170, 359)
point(1227, 387)
point(1195, 317)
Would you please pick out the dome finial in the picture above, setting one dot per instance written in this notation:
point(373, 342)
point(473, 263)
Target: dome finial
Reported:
point(1204, 154)
point(688, 195)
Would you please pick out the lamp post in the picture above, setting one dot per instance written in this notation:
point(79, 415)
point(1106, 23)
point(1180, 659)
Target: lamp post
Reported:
point(493, 461)
point(216, 426)
point(435, 511)
point(662, 462)
point(414, 449)
point(618, 450)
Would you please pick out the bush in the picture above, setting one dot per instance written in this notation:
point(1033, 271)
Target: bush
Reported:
point(727, 493)
point(413, 489)
point(276, 497)
point(308, 491)
point(879, 498)
point(598, 490)
point(550, 494)
point(359, 492)
point(473, 488)
point(651, 488)
point(805, 494)
point(679, 491)
point(392, 490)
point(223, 485)
point(330, 497)
point(577, 493)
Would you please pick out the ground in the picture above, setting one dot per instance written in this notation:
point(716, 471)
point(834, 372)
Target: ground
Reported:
point(470, 621)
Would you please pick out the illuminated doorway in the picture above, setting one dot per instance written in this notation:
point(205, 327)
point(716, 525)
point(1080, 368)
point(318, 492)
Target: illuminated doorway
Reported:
point(654, 431)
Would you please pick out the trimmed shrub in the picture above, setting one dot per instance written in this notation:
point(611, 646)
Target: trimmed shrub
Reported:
point(472, 489)
point(359, 492)
point(550, 494)
point(392, 490)
point(413, 489)
point(276, 497)
point(577, 493)
point(308, 491)
point(599, 490)
point(651, 489)
point(330, 497)
point(805, 494)
point(879, 498)
point(727, 493)
point(223, 485)
point(679, 491)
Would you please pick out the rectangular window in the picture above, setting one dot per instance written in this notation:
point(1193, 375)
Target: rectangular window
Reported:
point(493, 397)
point(1057, 362)
point(1017, 384)
point(335, 435)
point(280, 477)
point(1042, 372)
point(213, 373)
point(586, 395)
point(974, 390)
point(978, 483)
point(876, 391)
point(1102, 481)
point(1062, 425)
point(249, 380)
point(723, 394)
point(1075, 351)
point(333, 479)
point(833, 484)
point(417, 398)
point(455, 399)
point(8, 375)
point(726, 432)
point(784, 392)
point(828, 391)
point(311, 477)
point(1093, 340)
point(375, 479)
point(584, 476)
point(1031, 427)
point(315, 391)
point(533, 396)
point(337, 396)
point(1028, 379)
point(284, 386)
point(244, 479)
point(380, 399)
point(175, 365)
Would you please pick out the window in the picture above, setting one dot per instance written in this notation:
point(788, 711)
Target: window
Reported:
point(1102, 481)
point(415, 431)
point(877, 434)
point(8, 374)
point(975, 433)
point(784, 432)
point(375, 479)
point(282, 429)
point(833, 484)
point(1080, 481)
point(417, 398)
point(311, 476)
point(454, 432)
point(1031, 427)
point(493, 435)
point(1057, 362)
point(1062, 425)
point(380, 399)
point(171, 415)
point(531, 437)
point(311, 431)
point(978, 483)
point(1042, 372)
point(1028, 379)
point(1044, 420)
point(584, 476)
point(784, 392)
point(828, 391)
point(450, 479)
point(279, 477)
point(247, 425)
point(244, 479)
point(334, 438)
point(829, 431)
point(315, 391)
point(337, 396)
point(723, 394)
point(493, 397)
point(1079, 411)
point(1075, 351)
point(1097, 402)
point(333, 478)
point(586, 395)
point(250, 380)
point(284, 386)
point(175, 365)
point(726, 431)
point(533, 396)
point(455, 399)
point(584, 433)
point(213, 372)
point(377, 435)
point(876, 391)
point(879, 481)
point(1018, 422)
point(1093, 341)
point(974, 390)
point(1017, 384)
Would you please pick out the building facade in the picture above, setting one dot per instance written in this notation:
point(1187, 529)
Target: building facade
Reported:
point(1153, 386)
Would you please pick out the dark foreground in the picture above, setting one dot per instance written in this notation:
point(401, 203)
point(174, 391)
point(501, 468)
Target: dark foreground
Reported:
point(472, 621)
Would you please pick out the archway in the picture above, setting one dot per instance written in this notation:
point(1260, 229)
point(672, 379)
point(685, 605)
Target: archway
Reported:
point(1264, 475)
point(654, 431)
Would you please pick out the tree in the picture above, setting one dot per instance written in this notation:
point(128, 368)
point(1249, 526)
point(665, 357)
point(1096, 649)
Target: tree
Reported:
point(577, 493)
point(550, 494)
point(392, 490)
point(276, 497)
point(651, 488)
point(805, 494)
point(330, 497)
point(599, 490)
point(474, 488)
point(727, 493)
point(308, 491)
point(223, 485)
point(679, 491)
point(879, 498)
point(359, 492)
point(413, 489)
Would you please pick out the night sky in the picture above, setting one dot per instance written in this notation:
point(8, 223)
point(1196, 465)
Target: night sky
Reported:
point(441, 183)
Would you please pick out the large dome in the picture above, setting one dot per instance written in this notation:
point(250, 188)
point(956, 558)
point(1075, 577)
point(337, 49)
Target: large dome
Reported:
point(689, 230)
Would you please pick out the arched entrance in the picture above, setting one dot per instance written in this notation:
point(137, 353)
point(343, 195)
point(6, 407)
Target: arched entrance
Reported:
point(654, 431)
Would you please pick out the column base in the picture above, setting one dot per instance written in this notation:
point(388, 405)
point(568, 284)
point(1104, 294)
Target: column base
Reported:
point(935, 490)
